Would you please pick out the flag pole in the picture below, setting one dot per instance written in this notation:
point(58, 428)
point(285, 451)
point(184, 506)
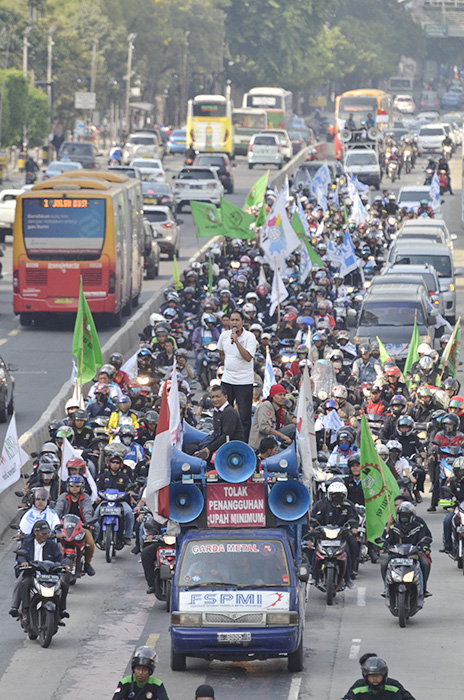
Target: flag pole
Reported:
point(82, 331)
point(278, 293)
point(451, 341)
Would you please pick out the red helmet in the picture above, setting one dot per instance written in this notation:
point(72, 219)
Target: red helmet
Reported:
point(457, 405)
point(102, 388)
point(76, 463)
point(261, 290)
point(290, 316)
point(393, 372)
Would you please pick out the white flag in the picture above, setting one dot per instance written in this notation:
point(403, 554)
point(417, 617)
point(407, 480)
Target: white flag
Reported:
point(70, 452)
point(278, 238)
point(305, 435)
point(262, 276)
point(13, 457)
point(434, 192)
point(305, 262)
point(130, 366)
point(77, 395)
point(358, 210)
point(269, 377)
point(278, 292)
point(333, 422)
point(286, 191)
point(174, 410)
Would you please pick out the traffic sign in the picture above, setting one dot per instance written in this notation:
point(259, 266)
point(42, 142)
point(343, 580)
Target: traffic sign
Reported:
point(85, 100)
point(436, 30)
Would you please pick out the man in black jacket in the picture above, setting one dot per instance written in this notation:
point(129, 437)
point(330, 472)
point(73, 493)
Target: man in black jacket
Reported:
point(226, 425)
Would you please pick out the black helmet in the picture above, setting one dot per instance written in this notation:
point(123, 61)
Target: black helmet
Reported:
point(53, 427)
point(450, 384)
point(353, 459)
point(405, 425)
point(116, 359)
point(450, 423)
point(127, 434)
point(80, 414)
point(144, 656)
point(150, 416)
point(374, 666)
point(405, 513)
point(48, 463)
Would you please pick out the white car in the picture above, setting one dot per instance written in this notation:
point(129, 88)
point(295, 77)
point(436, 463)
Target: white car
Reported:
point(141, 143)
point(284, 141)
point(430, 138)
point(197, 184)
point(404, 104)
point(412, 196)
point(7, 211)
point(149, 168)
point(265, 149)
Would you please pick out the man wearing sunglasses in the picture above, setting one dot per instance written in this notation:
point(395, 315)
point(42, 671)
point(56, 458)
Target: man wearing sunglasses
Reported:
point(114, 478)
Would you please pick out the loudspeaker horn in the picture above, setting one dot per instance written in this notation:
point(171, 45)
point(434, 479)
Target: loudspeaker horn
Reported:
point(191, 434)
point(373, 134)
point(185, 502)
point(289, 500)
point(345, 135)
point(235, 462)
point(183, 464)
point(284, 461)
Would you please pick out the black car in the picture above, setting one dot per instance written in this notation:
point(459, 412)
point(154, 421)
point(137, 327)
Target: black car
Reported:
point(7, 383)
point(157, 193)
point(79, 152)
point(221, 162)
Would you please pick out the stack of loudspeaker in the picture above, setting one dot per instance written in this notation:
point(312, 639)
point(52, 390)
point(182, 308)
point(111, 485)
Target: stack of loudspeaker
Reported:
point(235, 462)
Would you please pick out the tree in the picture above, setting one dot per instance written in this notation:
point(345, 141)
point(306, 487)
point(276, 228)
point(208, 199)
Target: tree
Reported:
point(38, 126)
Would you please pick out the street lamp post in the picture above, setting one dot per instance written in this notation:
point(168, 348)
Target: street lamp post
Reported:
point(50, 46)
point(27, 31)
point(130, 48)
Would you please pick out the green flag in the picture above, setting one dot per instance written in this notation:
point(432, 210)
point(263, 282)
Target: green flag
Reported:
point(300, 232)
point(207, 219)
point(255, 196)
point(210, 275)
point(378, 483)
point(384, 356)
point(85, 346)
point(175, 274)
point(261, 218)
point(236, 222)
point(452, 352)
point(413, 355)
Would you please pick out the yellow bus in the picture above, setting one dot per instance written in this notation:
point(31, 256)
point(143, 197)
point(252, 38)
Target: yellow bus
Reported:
point(360, 103)
point(209, 124)
point(87, 226)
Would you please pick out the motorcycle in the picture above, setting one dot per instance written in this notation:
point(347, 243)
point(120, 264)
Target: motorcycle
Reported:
point(111, 521)
point(443, 179)
point(331, 559)
point(447, 151)
point(361, 537)
point(407, 160)
point(209, 365)
point(140, 393)
point(164, 568)
point(73, 543)
point(404, 585)
point(43, 615)
point(391, 228)
point(392, 170)
point(457, 526)
point(429, 173)
point(447, 456)
point(31, 177)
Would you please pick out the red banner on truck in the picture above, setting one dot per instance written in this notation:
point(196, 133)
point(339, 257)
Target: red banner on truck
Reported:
point(235, 505)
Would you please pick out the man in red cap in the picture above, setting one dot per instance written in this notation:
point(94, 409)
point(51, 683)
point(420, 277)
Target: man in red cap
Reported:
point(271, 418)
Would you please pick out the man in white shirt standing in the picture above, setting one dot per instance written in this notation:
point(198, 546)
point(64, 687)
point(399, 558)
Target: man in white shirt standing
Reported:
point(237, 349)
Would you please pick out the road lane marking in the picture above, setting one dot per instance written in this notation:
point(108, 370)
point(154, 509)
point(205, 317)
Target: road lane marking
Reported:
point(151, 641)
point(294, 688)
point(361, 600)
point(15, 331)
point(354, 648)
point(3, 341)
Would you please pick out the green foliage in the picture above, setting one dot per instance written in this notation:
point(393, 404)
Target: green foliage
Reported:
point(38, 126)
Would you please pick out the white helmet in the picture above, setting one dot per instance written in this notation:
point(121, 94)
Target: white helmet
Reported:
point(337, 488)
point(156, 318)
point(424, 349)
point(340, 392)
point(223, 284)
point(71, 403)
point(382, 450)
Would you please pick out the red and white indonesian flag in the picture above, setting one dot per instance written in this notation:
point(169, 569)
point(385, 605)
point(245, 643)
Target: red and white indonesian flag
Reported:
point(159, 475)
point(305, 434)
point(174, 410)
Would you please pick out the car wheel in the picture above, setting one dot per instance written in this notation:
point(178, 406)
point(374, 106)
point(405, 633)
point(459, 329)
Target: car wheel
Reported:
point(250, 166)
point(178, 208)
point(3, 412)
point(230, 189)
point(151, 273)
point(171, 254)
point(11, 406)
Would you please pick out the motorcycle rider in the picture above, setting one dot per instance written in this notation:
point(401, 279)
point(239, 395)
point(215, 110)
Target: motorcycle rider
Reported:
point(38, 547)
point(123, 415)
point(31, 169)
point(45, 477)
point(101, 406)
point(39, 510)
point(425, 209)
point(147, 427)
point(395, 384)
point(114, 478)
point(444, 165)
point(121, 378)
point(343, 450)
point(338, 511)
point(406, 528)
point(76, 502)
point(202, 336)
point(448, 435)
point(141, 683)
point(83, 433)
point(365, 368)
point(375, 683)
point(397, 407)
point(391, 208)
point(455, 485)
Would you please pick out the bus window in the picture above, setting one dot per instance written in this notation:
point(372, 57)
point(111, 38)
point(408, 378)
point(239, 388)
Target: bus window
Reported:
point(209, 109)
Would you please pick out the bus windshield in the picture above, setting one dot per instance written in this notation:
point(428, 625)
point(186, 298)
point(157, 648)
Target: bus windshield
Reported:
point(63, 229)
point(265, 101)
point(359, 107)
point(250, 121)
point(210, 109)
point(238, 562)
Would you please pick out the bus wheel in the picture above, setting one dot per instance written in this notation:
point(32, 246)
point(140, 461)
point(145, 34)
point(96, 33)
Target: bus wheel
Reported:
point(115, 319)
point(127, 310)
point(25, 319)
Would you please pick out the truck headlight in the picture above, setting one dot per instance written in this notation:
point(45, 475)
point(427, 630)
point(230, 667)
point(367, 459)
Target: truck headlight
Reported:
point(186, 619)
point(282, 618)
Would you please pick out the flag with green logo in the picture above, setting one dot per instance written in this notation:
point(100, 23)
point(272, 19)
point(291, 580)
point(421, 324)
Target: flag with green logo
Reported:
point(383, 354)
point(300, 232)
point(413, 355)
point(236, 222)
point(379, 486)
point(85, 347)
point(452, 352)
point(255, 196)
point(207, 219)
point(261, 218)
point(175, 274)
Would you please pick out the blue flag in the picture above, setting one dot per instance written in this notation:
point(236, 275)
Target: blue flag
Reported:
point(269, 377)
point(434, 192)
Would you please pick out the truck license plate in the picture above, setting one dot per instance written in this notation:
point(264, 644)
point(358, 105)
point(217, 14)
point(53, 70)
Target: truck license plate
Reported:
point(234, 637)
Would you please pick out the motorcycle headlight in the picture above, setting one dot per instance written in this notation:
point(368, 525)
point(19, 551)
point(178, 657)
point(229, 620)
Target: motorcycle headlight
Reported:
point(47, 592)
point(331, 534)
point(143, 380)
point(396, 577)
point(409, 577)
point(169, 539)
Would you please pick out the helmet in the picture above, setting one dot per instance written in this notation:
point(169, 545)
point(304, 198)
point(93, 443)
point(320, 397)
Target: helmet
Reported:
point(345, 439)
point(423, 392)
point(424, 349)
point(127, 434)
point(437, 416)
point(102, 388)
point(364, 348)
point(225, 293)
point(48, 464)
point(148, 448)
point(191, 290)
point(40, 493)
point(457, 405)
point(150, 416)
point(80, 414)
point(424, 201)
point(71, 403)
point(207, 320)
point(290, 316)
point(375, 665)
point(395, 446)
point(123, 400)
point(458, 468)
point(343, 335)
point(144, 656)
point(49, 447)
point(330, 404)
point(261, 290)
point(398, 402)
point(426, 364)
point(170, 314)
point(75, 479)
point(450, 384)
point(339, 392)
point(337, 492)
point(65, 432)
point(302, 351)
point(336, 355)
point(155, 318)
point(405, 513)
point(393, 372)
point(107, 369)
point(251, 297)
point(76, 463)
point(405, 425)
point(353, 459)
point(249, 311)
point(116, 359)
point(53, 427)
point(450, 423)
point(256, 327)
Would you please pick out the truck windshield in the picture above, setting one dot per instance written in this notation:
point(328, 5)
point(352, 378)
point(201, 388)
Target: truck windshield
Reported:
point(367, 158)
point(240, 562)
point(392, 314)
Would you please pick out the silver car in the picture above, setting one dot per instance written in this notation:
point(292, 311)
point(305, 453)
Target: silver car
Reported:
point(165, 228)
point(197, 184)
point(265, 149)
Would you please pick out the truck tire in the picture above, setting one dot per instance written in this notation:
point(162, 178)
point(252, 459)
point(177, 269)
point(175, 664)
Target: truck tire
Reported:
point(295, 658)
point(178, 661)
